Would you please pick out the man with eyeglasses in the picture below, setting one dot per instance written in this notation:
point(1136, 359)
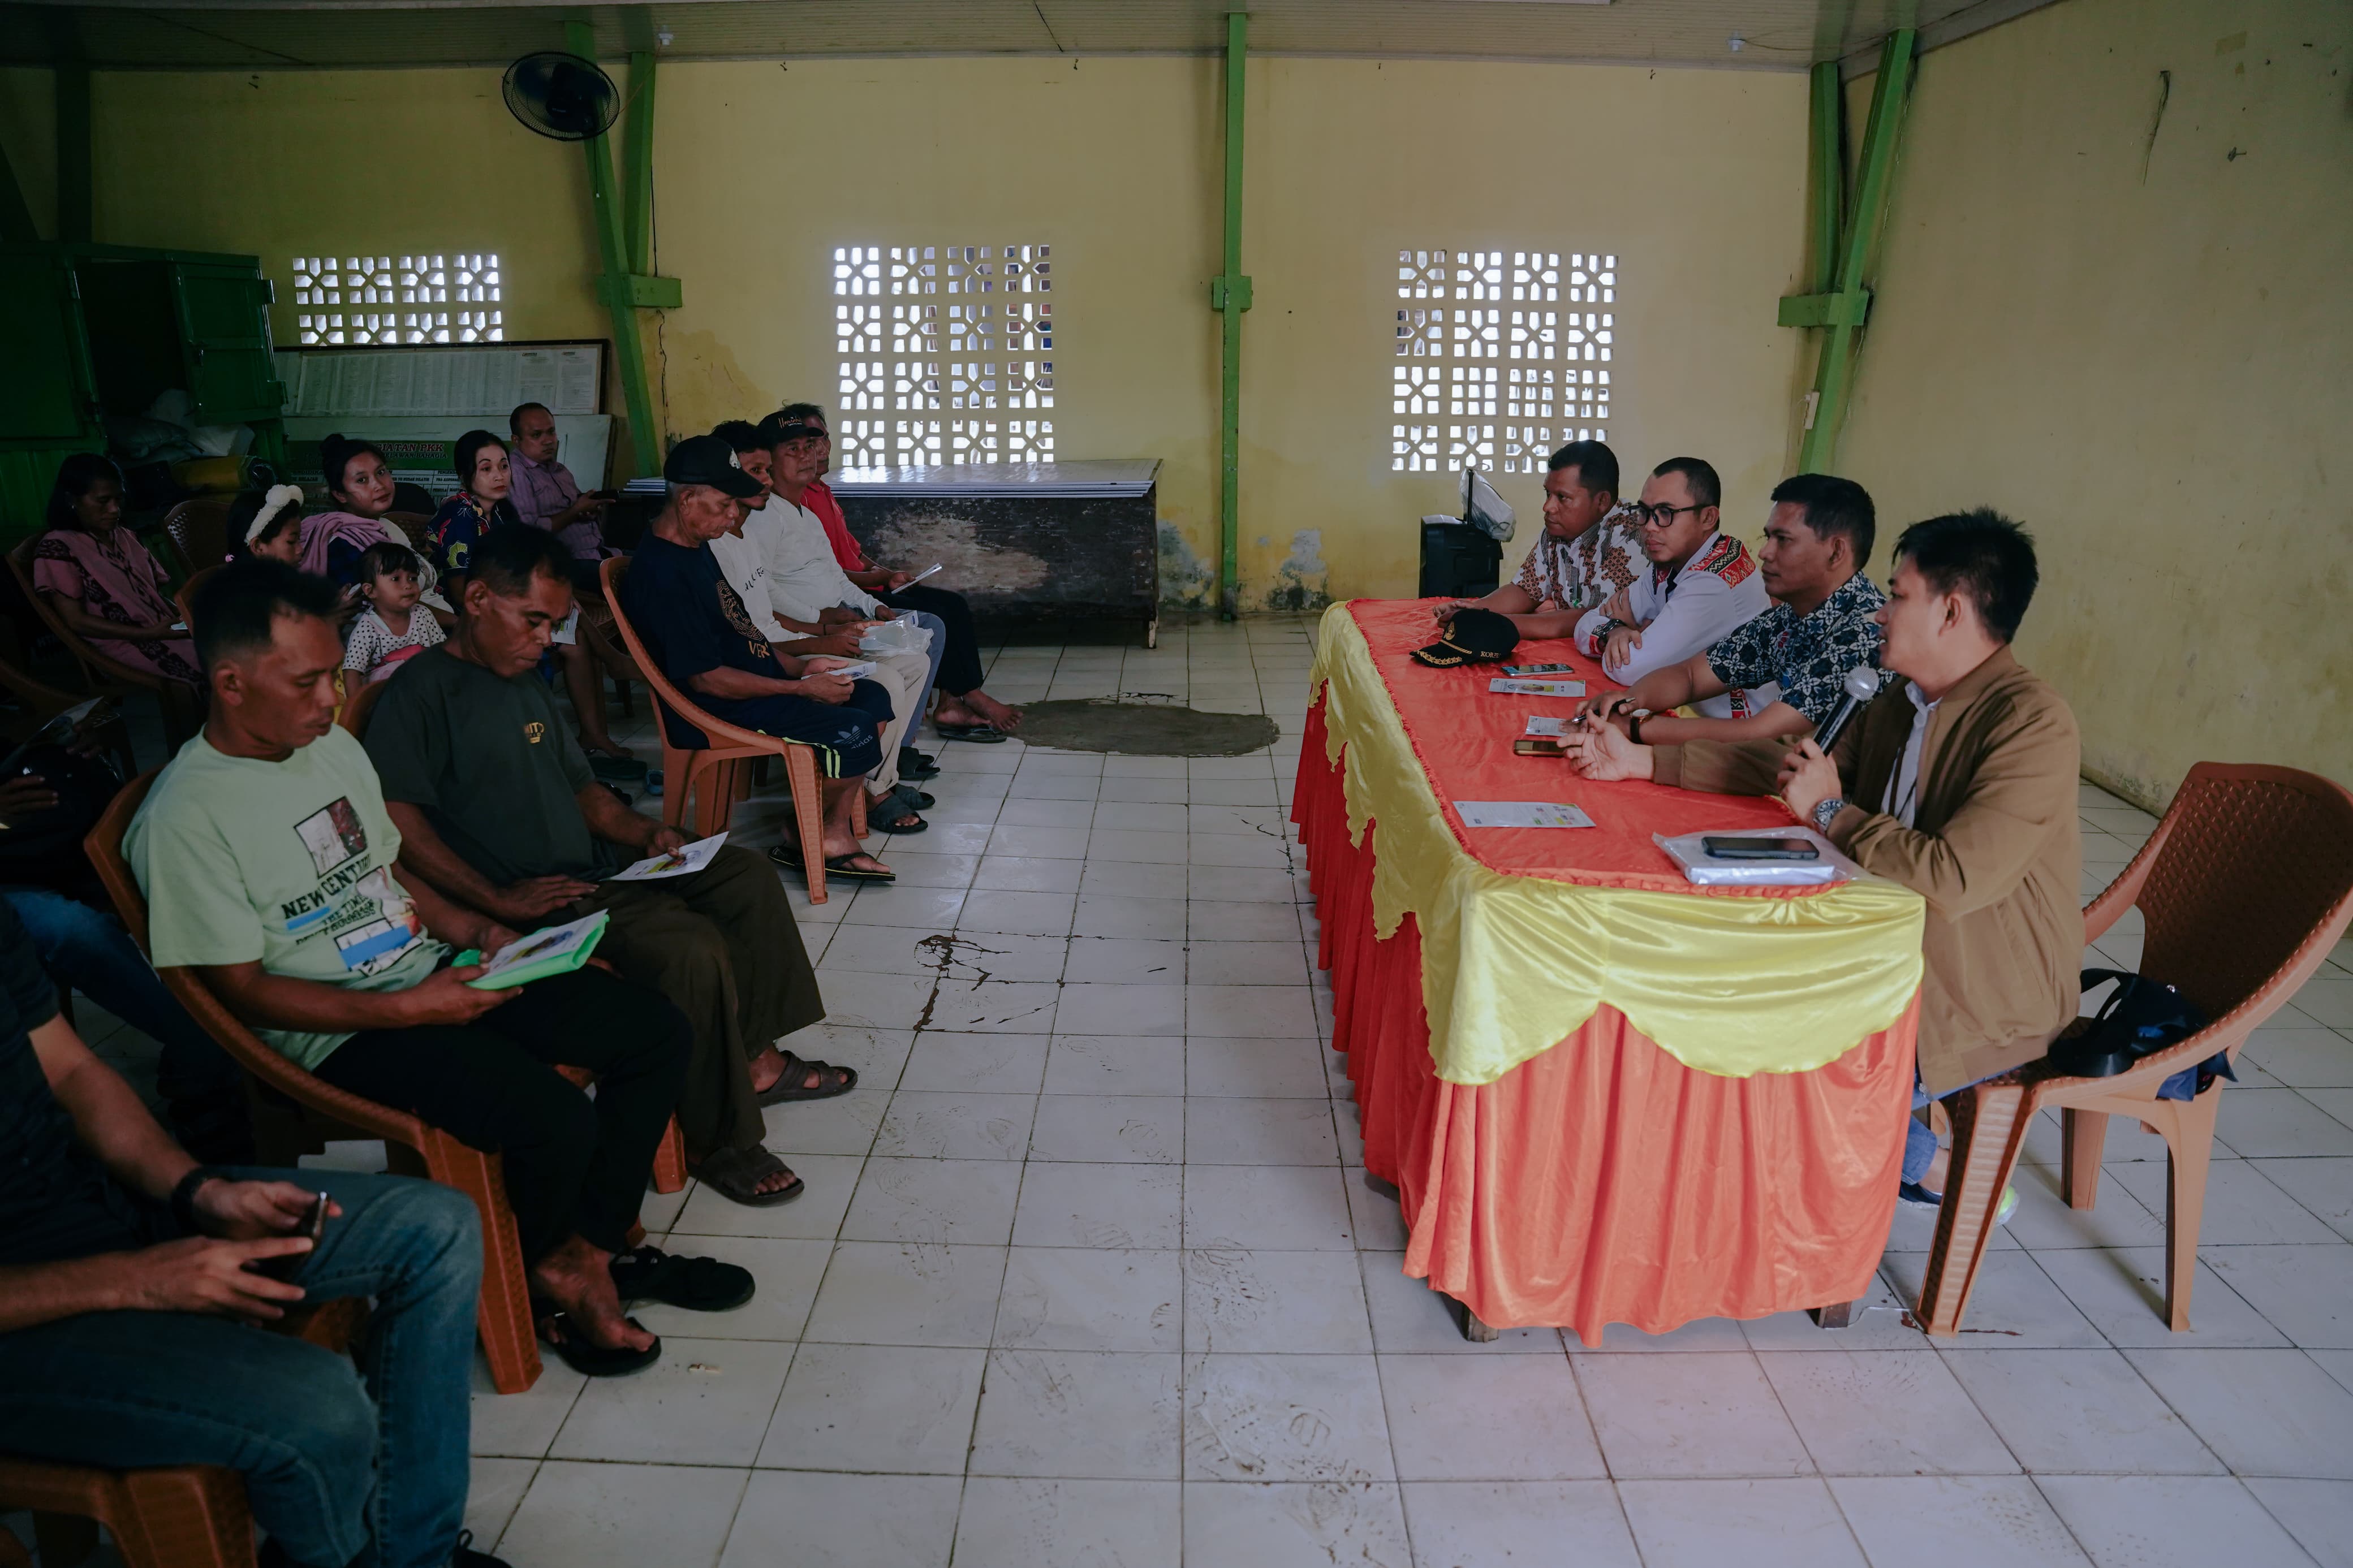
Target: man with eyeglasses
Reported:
point(1701, 585)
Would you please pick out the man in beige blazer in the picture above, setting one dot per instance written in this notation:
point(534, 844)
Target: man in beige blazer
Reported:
point(1958, 781)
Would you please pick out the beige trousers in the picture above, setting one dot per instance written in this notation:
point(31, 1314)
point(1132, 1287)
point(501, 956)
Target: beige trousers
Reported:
point(904, 675)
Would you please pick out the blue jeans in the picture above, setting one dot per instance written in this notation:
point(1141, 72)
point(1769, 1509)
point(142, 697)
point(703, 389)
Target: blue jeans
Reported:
point(94, 955)
point(1920, 1143)
point(336, 1472)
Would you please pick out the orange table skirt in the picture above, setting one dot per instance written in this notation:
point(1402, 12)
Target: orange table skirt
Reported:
point(1601, 1182)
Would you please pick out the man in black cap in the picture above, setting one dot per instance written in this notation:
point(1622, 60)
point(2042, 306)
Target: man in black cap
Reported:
point(696, 628)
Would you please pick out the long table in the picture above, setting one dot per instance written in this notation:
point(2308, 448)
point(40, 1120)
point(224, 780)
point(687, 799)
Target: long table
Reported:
point(1604, 1095)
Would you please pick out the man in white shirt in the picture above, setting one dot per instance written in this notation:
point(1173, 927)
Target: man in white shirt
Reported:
point(794, 623)
point(1702, 584)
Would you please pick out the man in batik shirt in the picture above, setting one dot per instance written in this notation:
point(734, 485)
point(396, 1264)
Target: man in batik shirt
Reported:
point(1591, 548)
point(1783, 672)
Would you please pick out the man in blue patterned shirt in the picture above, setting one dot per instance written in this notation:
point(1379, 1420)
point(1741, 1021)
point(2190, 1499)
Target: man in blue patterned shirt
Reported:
point(1784, 669)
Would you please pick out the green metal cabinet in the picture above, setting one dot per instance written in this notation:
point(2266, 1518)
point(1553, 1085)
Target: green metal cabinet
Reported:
point(101, 329)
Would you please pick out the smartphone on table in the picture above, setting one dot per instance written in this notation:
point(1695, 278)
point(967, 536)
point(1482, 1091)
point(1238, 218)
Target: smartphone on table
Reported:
point(1759, 848)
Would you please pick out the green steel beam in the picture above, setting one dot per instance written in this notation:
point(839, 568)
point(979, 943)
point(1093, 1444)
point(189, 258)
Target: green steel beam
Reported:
point(1867, 211)
point(637, 163)
point(1230, 295)
point(15, 214)
point(75, 207)
point(1829, 171)
point(613, 285)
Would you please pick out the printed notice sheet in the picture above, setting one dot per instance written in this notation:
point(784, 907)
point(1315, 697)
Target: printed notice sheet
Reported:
point(1521, 814)
point(1538, 688)
point(683, 861)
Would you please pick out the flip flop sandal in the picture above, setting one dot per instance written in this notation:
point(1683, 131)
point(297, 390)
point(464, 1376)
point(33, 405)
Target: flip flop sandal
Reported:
point(588, 1360)
point(736, 1174)
point(789, 857)
point(788, 1087)
point(691, 1284)
point(987, 734)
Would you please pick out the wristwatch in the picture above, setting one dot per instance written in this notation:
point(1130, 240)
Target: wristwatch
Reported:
point(1827, 811)
point(184, 1195)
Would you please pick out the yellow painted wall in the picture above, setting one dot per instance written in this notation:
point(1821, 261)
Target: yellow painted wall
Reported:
point(1694, 178)
point(2145, 352)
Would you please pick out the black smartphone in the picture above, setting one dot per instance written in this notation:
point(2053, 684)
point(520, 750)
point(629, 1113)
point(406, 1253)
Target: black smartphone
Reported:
point(1540, 746)
point(286, 1265)
point(1759, 848)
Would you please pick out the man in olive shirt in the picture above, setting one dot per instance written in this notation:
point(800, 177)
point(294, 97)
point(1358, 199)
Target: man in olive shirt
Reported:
point(499, 811)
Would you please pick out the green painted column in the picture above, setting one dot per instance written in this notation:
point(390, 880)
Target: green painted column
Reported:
point(1846, 305)
point(615, 285)
point(1229, 294)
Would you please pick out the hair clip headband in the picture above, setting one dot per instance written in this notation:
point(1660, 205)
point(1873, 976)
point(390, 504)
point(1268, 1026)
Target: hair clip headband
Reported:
point(280, 497)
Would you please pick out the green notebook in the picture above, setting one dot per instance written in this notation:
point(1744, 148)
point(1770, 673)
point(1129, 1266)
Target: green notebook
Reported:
point(558, 950)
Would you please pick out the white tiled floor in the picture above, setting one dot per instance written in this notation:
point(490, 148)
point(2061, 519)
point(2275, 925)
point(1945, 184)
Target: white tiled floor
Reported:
point(1082, 1275)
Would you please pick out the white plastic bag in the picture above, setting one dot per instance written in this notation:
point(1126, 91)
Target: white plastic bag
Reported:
point(900, 635)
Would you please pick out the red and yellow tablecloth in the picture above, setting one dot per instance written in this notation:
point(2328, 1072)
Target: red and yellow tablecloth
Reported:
point(1605, 1095)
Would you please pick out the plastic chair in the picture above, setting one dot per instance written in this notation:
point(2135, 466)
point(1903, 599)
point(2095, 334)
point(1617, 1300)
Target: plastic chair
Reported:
point(178, 1516)
point(44, 702)
point(719, 773)
point(359, 702)
point(185, 595)
point(295, 1113)
point(183, 708)
point(198, 529)
point(2245, 887)
point(416, 525)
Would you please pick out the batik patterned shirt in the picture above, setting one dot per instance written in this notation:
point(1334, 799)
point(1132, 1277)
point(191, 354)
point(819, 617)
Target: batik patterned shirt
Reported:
point(1810, 655)
point(1600, 561)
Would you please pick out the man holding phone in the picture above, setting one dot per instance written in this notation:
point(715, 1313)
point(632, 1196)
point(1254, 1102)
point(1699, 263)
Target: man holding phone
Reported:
point(1958, 782)
point(129, 1274)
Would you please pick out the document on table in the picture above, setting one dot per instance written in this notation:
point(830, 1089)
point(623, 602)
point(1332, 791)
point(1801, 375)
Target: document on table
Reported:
point(683, 861)
point(1521, 814)
point(1538, 688)
point(1539, 724)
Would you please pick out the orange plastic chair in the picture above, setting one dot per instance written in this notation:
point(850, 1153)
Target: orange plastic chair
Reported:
point(185, 595)
point(359, 701)
point(2245, 887)
point(295, 1113)
point(43, 702)
point(720, 775)
point(183, 707)
point(177, 1516)
point(198, 529)
point(416, 525)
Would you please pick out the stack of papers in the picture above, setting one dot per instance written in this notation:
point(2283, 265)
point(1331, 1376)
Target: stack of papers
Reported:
point(1538, 688)
point(1540, 724)
point(1521, 814)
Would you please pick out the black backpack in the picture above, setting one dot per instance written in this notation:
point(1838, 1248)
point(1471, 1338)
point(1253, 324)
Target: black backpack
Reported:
point(2139, 1019)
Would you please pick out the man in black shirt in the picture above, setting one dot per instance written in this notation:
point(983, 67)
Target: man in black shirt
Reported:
point(696, 627)
point(498, 810)
point(127, 1282)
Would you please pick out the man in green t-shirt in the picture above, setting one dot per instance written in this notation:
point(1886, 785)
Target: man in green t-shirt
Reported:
point(498, 810)
point(267, 859)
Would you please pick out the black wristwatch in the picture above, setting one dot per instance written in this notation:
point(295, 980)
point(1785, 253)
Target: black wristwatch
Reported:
point(184, 1195)
point(1634, 727)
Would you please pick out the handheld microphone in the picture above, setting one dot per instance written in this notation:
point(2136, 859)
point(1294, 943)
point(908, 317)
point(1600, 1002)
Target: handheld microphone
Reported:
point(1861, 686)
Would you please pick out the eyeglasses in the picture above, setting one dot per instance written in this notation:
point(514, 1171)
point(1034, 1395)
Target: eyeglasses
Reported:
point(1660, 516)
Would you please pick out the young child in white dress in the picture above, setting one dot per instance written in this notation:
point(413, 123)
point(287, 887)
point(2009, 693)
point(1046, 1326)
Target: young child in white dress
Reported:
point(392, 629)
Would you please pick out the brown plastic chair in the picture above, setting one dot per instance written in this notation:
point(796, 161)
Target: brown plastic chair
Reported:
point(177, 1516)
point(358, 702)
point(44, 702)
point(2245, 887)
point(183, 708)
point(185, 595)
point(720, 775)
point(295, 1113)
point(198, 529)
point(416, 525)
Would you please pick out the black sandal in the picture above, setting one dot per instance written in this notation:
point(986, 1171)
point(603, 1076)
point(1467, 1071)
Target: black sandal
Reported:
point(987, 733)
point(691, 1284)
point(788, 1087)
point(908, 822)
point(789, 856)
point(588, 1360)
point(736, 1174)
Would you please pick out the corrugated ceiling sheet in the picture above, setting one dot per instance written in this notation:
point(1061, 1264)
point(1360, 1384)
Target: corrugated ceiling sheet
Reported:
point(1778, 33)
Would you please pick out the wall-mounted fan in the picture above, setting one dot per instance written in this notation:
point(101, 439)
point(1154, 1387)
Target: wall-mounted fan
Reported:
point(562, 96)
